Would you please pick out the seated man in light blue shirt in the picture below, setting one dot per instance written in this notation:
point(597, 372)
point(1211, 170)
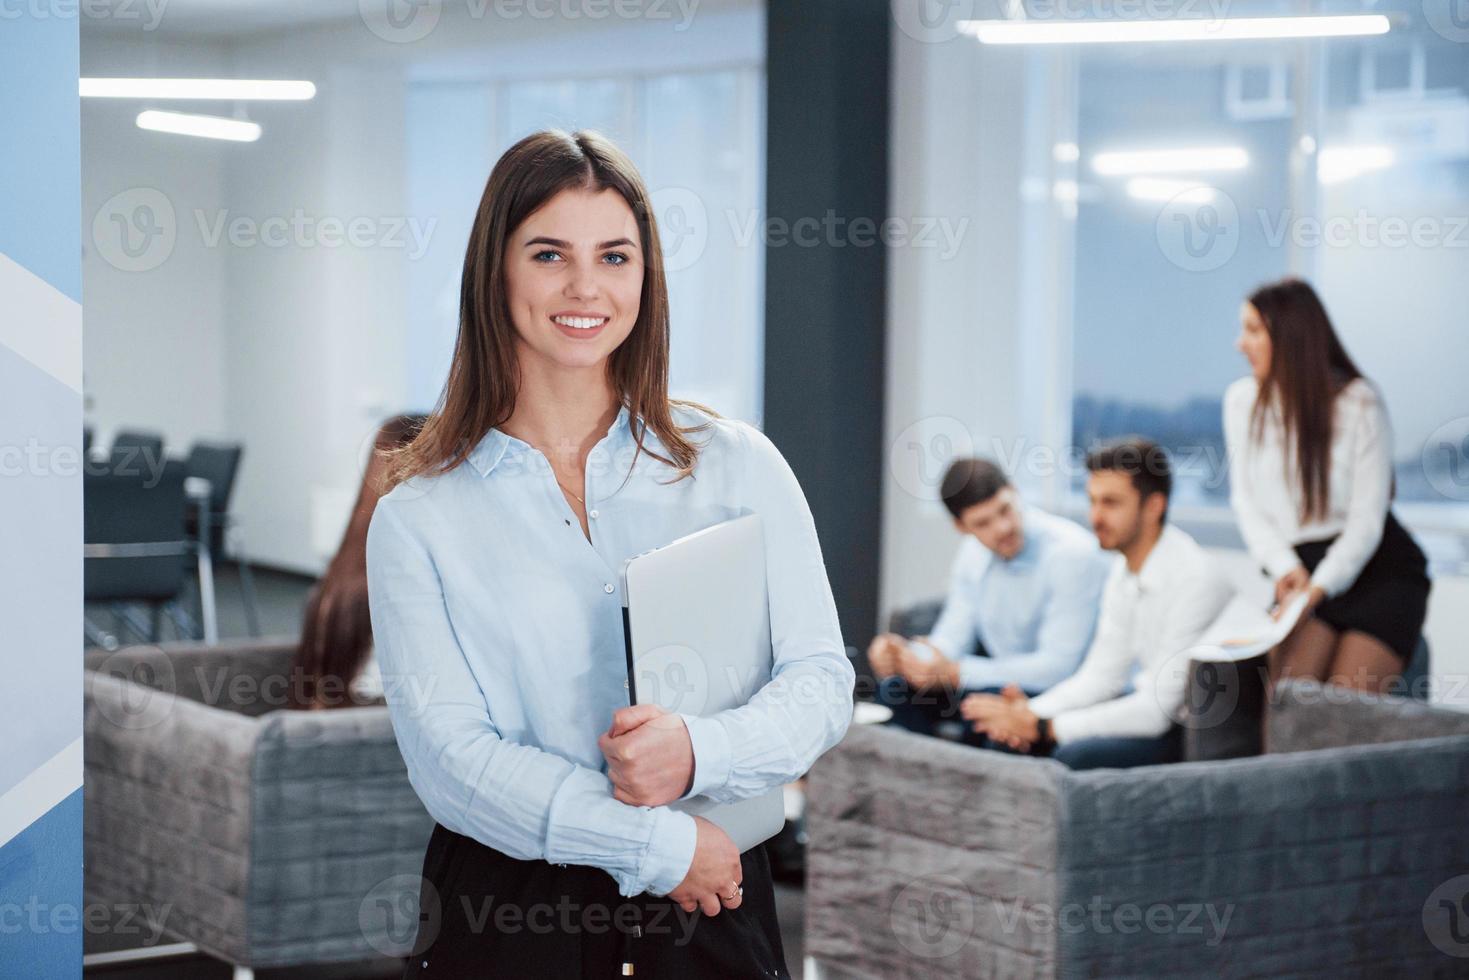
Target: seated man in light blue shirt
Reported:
point(1022, 604)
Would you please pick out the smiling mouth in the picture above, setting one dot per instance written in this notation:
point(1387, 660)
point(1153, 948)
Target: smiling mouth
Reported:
point(580, 322)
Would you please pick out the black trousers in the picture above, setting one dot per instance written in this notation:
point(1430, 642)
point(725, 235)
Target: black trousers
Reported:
point(485, 914)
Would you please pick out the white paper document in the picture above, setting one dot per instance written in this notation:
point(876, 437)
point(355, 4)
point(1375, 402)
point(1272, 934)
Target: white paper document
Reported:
point(1244, 630)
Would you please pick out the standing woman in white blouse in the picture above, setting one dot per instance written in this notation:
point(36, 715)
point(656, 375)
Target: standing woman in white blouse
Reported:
point(554, 454)
point(1311, 483)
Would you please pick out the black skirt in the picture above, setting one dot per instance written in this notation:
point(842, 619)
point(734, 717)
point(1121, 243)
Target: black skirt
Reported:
point(1389, 599)
point(485, 914)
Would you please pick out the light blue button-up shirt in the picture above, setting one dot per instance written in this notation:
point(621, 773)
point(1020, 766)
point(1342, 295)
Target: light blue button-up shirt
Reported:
point(498, 628)
point(1034, 614)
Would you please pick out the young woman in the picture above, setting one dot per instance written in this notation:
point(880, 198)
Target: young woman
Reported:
point(493, 570)
point(1311, 480)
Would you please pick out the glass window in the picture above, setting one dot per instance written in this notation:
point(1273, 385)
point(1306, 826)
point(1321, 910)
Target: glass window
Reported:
point(1344, 161)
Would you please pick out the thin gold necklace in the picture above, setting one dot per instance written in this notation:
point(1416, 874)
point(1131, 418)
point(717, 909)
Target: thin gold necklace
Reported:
point(579, 498)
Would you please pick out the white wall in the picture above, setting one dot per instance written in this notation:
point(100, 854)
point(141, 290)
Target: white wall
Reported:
point(153, 339)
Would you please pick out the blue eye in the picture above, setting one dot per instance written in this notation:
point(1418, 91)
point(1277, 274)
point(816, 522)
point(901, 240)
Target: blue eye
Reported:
point(540, 256)
point(621, 259)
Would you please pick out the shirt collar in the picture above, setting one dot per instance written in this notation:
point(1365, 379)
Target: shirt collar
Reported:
point(496, 444)
point(1156, 567)
point(1032, 529)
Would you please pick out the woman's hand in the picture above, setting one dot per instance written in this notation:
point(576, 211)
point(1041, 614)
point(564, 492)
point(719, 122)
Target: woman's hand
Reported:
point(1290, 583)
point(715, 875)
point(650, 758)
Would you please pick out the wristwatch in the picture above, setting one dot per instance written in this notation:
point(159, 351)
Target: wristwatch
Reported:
point(1043, 738)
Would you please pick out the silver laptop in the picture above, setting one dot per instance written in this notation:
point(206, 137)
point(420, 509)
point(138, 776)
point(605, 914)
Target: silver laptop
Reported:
point(697, 628)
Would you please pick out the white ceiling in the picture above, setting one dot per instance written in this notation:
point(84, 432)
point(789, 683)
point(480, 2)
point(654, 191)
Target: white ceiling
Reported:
point(216, 18)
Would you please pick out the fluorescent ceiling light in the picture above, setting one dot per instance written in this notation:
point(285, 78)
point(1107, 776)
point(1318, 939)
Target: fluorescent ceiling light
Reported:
point(210, 127)
point(1159, 189)
point(1335, 164)
point(228, 89)
point(1169, 161)
point(1194, 29)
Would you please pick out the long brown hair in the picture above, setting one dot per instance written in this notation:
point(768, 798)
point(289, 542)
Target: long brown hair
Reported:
point(336, 626)
point(1308, 368)
point(484, 377)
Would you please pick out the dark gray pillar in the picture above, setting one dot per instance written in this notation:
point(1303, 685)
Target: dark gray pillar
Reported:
point(827, 166)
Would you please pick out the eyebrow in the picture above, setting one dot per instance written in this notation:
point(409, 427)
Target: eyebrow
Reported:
point(558, 243)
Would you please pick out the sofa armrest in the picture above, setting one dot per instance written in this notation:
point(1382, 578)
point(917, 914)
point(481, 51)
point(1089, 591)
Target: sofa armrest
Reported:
point(247, 676)
point(337, 825)
point(1305, 714)
point(168, 809)
point(927, 857)
point(1230, 856)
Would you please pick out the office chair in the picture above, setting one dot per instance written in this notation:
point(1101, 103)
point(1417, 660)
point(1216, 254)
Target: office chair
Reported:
point(135, 548)
point(219, 463)
point(135, 452)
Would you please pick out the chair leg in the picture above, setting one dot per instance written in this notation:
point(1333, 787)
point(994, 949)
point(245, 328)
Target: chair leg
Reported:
point(247, 581)
point(205, 563)
point(185, 626)
point(125, 618)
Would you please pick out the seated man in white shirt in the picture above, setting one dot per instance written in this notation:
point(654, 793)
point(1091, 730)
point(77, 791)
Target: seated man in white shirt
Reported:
point(1163, 592)
point(1021, 607)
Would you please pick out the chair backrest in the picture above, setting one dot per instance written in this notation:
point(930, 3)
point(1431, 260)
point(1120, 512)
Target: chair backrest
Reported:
point(917, 619)
point(134, 452)
point(135, 508)
point(218, 463)
point(137, 439)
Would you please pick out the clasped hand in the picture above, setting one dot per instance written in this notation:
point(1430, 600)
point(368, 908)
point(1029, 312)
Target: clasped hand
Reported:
point(1004, 717)
point(650, 760)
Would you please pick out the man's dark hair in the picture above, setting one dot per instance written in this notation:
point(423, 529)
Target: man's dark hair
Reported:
point(971, 481)
point(1143, 460)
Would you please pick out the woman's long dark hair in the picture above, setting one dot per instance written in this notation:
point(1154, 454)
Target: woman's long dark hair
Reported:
point(336, 627)
point(484, 377)
point(1308, 368)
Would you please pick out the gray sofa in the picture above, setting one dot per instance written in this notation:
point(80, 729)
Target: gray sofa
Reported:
point(270, 837)
point(1320, 858)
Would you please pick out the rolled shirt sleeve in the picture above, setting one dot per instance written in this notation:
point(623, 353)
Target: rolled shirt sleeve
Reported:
point(521, 800)
point(806, 706)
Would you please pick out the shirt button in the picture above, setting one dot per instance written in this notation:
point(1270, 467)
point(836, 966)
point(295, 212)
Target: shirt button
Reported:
point(592, 514)
point(608, 588)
